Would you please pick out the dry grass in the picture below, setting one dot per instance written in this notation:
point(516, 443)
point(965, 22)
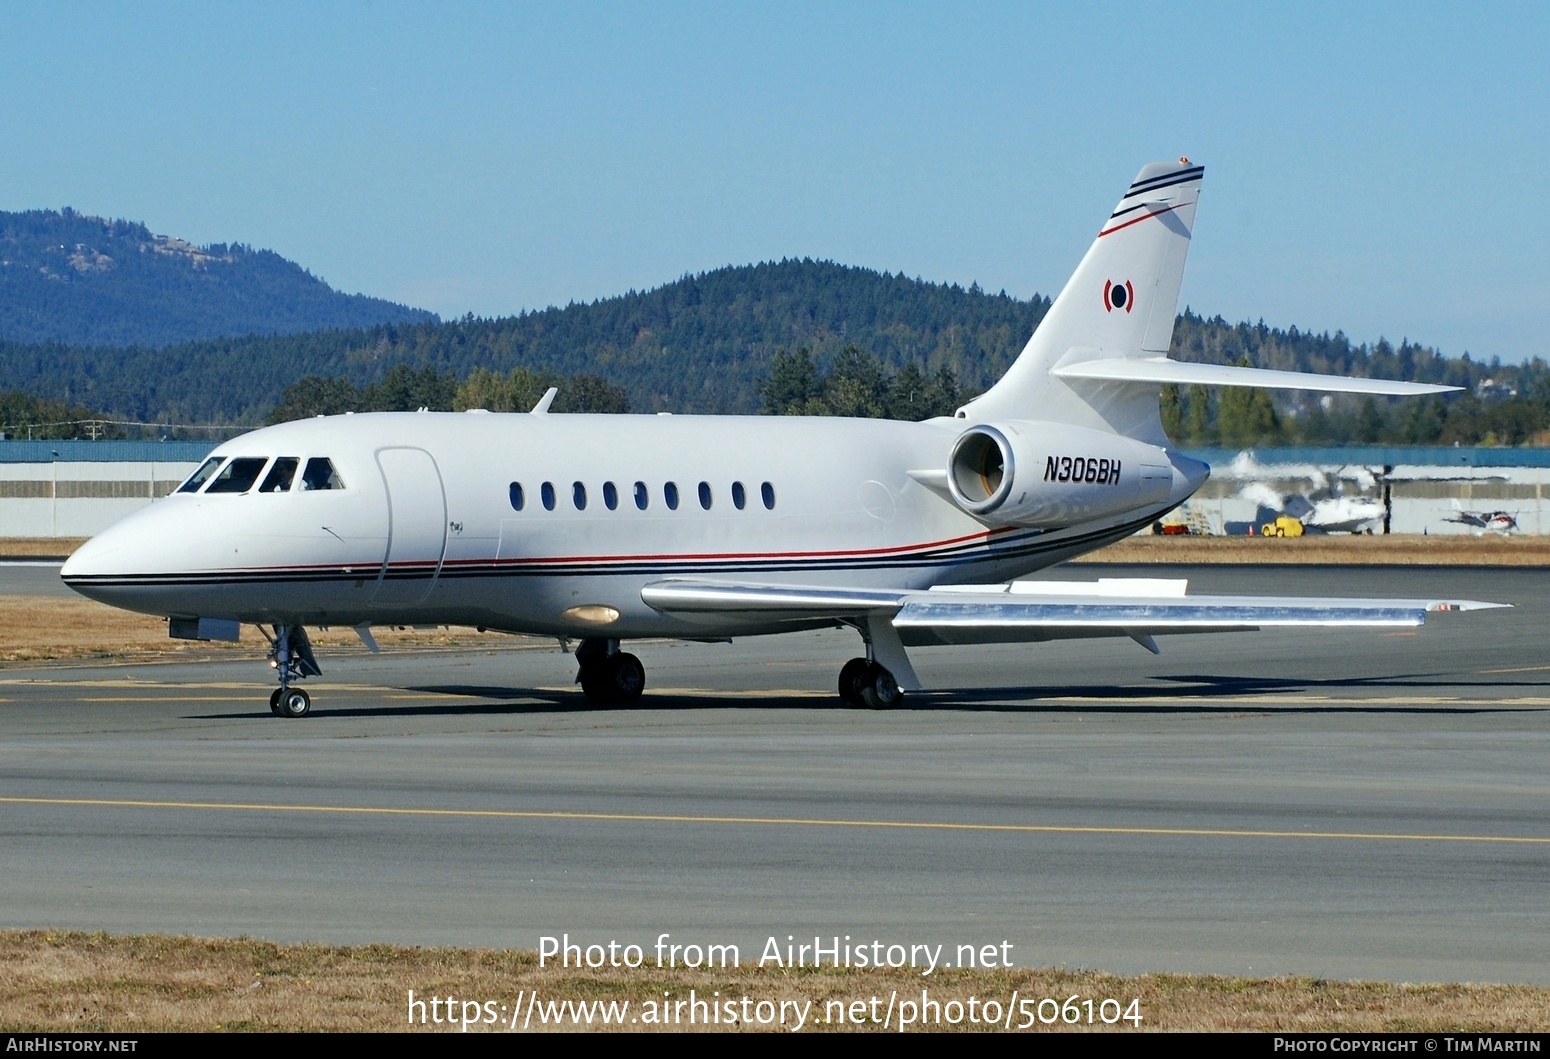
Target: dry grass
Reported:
point(63, 628)
point(1345, 549)
point(38, 547)
point(94, 982)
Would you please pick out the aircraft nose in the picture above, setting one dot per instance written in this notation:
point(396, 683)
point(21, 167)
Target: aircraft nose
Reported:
point(108, 567)
point(91, 559)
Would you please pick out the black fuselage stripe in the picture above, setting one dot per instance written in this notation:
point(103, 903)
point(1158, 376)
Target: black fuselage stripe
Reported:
point(1026, 546)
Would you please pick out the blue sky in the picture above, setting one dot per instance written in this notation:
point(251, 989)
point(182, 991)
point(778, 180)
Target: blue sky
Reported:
point(1366, 164)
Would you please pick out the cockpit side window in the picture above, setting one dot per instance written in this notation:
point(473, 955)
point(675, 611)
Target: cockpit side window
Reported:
point(238, 476)
point(320, 474)
point(201, 476)
point(278, 480)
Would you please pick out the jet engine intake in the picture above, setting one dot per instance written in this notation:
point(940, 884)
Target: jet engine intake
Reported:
point(1036, 474)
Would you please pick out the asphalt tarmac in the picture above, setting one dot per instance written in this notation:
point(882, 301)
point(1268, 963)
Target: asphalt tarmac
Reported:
point(1343, 804)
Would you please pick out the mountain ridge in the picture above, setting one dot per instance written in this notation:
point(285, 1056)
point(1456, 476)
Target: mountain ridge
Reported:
point(80, 279)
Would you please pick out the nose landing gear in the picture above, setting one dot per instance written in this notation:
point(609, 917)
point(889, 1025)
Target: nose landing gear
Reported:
point(290, 654)
point(607, 675)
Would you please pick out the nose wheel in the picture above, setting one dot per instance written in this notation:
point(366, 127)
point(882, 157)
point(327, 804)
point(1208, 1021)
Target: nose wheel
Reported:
point(291, 656)
point(292, 703)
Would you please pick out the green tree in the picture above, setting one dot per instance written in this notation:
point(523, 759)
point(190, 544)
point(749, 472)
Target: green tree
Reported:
point(315, 396)
point(589, 393)
point(857, 386)
point(1201, 426)
point(405, 389)
point(944, 393)
point(517, 392)
point(792, 384)
point(1172, 402)
point(1245, 415)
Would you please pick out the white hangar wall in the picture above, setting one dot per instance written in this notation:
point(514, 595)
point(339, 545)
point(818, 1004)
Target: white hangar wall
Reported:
point(80, 488)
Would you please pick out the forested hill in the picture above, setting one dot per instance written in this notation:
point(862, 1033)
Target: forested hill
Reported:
point(704, 343)
point(66, 277)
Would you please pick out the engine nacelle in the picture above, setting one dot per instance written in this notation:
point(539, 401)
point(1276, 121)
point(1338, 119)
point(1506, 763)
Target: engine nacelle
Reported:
point(1040, 474)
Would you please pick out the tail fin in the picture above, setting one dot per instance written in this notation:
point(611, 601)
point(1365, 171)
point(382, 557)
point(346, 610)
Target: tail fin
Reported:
point(1120, 304)
point(1100, 354)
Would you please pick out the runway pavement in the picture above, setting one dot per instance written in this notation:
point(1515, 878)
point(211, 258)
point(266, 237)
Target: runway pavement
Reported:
point(1342, 804)
point(31, 577)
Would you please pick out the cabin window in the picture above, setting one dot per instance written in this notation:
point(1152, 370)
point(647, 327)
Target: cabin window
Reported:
point(705, 495)
point(201, 476)
point(517, 499)
point(238, 476)
point(278, 480)
point(578, 496)
point(610, 496)
point(767, 494)
point(642, 497)
point(739, 496)
point(546, 491)
point(320, 474)
point(670, 495)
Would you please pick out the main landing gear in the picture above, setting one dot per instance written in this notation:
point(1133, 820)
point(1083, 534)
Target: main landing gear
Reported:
point(607, 675)
point(290, 655)
point(865, 683)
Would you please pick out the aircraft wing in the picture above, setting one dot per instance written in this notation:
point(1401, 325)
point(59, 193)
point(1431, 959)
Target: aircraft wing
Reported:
point(1030, 611)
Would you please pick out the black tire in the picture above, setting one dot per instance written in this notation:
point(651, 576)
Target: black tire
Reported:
point(274, 703)
point(879, 691)
point(595, 686)
point(295, 703)
point(852, 676)
point(627, 678)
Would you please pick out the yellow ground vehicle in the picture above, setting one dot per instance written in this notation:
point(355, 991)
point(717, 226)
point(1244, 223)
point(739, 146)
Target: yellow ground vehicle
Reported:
point(1285, 526)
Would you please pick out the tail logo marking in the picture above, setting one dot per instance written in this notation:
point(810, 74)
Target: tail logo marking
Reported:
point(1118, 296)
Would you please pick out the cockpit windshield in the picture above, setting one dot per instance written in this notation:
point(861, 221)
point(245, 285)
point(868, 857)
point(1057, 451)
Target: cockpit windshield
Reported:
point(238, 476)
point(278, 480)
point(320, 474)
point(201, 476)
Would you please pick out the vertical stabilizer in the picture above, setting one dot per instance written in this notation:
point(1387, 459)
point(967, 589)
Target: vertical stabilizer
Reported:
point(1120, 304)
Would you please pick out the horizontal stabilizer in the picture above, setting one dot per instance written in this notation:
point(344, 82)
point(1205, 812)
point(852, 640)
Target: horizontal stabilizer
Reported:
point(1161, 370)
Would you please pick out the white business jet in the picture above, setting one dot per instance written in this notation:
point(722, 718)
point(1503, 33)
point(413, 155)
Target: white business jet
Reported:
point(603, 528)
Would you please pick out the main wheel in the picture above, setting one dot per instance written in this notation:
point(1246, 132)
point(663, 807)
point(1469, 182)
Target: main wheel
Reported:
point(295, 703)
point(274, 703)
point(627, 677)
point(594, 685)
point(852, 677)
point(879, 691)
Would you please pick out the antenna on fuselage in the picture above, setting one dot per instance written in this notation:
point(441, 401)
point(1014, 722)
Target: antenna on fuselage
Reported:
point(542, 407)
